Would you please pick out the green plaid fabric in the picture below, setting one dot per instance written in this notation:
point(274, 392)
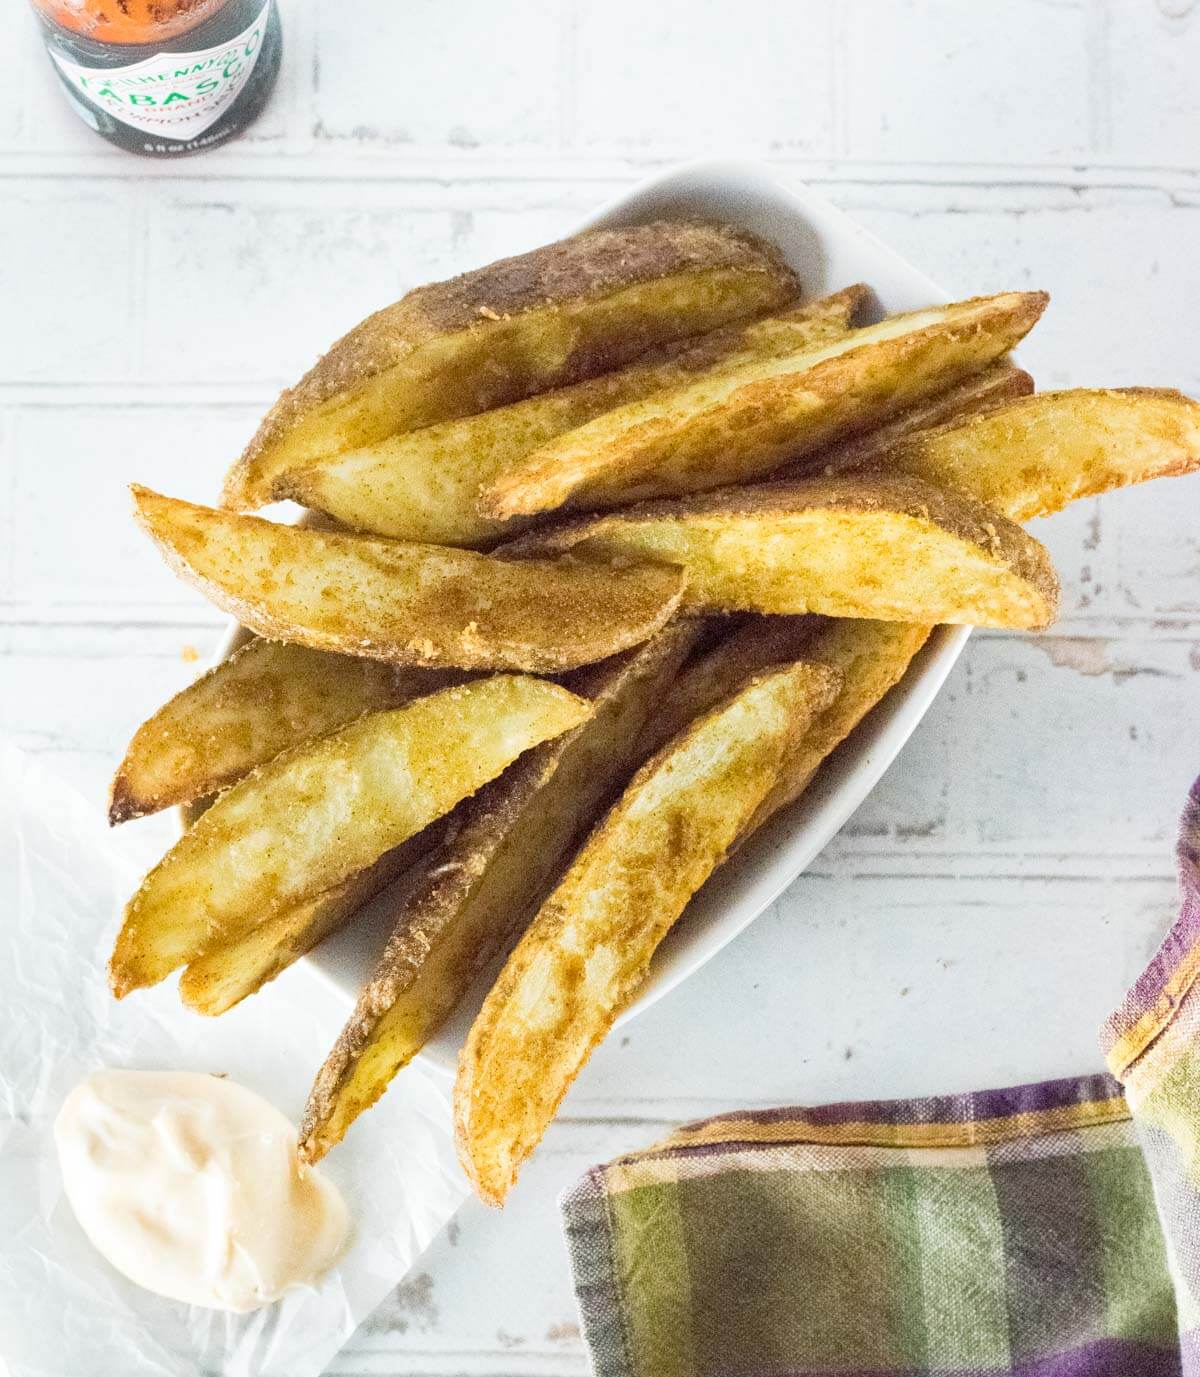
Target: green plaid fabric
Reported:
point(1050, 1230)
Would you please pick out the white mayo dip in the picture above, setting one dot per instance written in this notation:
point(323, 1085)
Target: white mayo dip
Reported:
point(190, 1186)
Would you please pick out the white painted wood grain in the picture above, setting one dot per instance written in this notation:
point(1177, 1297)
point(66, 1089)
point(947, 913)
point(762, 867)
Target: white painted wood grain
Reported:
point(1004, 73)
point(1013, 869)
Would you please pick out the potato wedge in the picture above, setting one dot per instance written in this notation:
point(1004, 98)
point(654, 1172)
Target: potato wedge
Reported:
point(503, 854)
point(737, 424)
point(561, 313)
point(1003, 382)
point(265, 698)
point(425, 484)
point(408, 604)
point(583, 957)
point(316, 815)
point(885, 546)
point(212, 984)
point(1033, 456)
point(720, 670)
point(869, 658)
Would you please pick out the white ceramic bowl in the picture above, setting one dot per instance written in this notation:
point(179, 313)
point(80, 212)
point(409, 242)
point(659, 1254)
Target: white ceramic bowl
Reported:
point(828, 251)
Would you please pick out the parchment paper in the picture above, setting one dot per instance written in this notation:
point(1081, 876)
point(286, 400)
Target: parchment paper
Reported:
point(63, 1310)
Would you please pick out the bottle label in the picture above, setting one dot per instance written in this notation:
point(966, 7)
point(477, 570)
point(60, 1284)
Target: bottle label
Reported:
point(174, 95)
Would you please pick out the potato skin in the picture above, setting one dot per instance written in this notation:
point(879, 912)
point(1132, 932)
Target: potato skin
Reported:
point(564, 312)
point(802, 546)
point(585, 267)
point(408, 604)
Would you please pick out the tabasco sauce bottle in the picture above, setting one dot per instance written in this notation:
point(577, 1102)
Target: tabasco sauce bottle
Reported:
point(164, 77)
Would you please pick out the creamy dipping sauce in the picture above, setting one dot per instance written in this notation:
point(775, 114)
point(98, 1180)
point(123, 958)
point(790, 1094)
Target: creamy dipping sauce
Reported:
point(190, 1186)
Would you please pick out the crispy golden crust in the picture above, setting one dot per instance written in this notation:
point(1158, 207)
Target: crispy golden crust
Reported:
point(587, 951)
point(319, 813)
point(885, 546)
point(504, 850)
point(539, 320)
point(425, 484)
point(418, 605)
point(1033, 456)
point(264, 699)
point(1004, 382)
point(737, 424)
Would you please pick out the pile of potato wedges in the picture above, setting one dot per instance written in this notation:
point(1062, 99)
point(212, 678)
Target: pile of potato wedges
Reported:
point(609, 546)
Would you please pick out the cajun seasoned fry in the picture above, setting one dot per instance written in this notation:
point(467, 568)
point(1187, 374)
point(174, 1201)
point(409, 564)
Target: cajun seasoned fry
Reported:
point(884, 546)
point(213, 983)
point(869, 658)
point(711, 677)
point(583, 957)
point(418, 605)
point(318, 814)
point(1034, 456)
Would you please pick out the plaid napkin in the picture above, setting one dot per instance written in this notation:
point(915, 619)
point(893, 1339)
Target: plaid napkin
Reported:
point(1049, 1230)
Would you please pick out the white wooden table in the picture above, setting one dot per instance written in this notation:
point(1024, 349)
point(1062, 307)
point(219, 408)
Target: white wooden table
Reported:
point(990, 902)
